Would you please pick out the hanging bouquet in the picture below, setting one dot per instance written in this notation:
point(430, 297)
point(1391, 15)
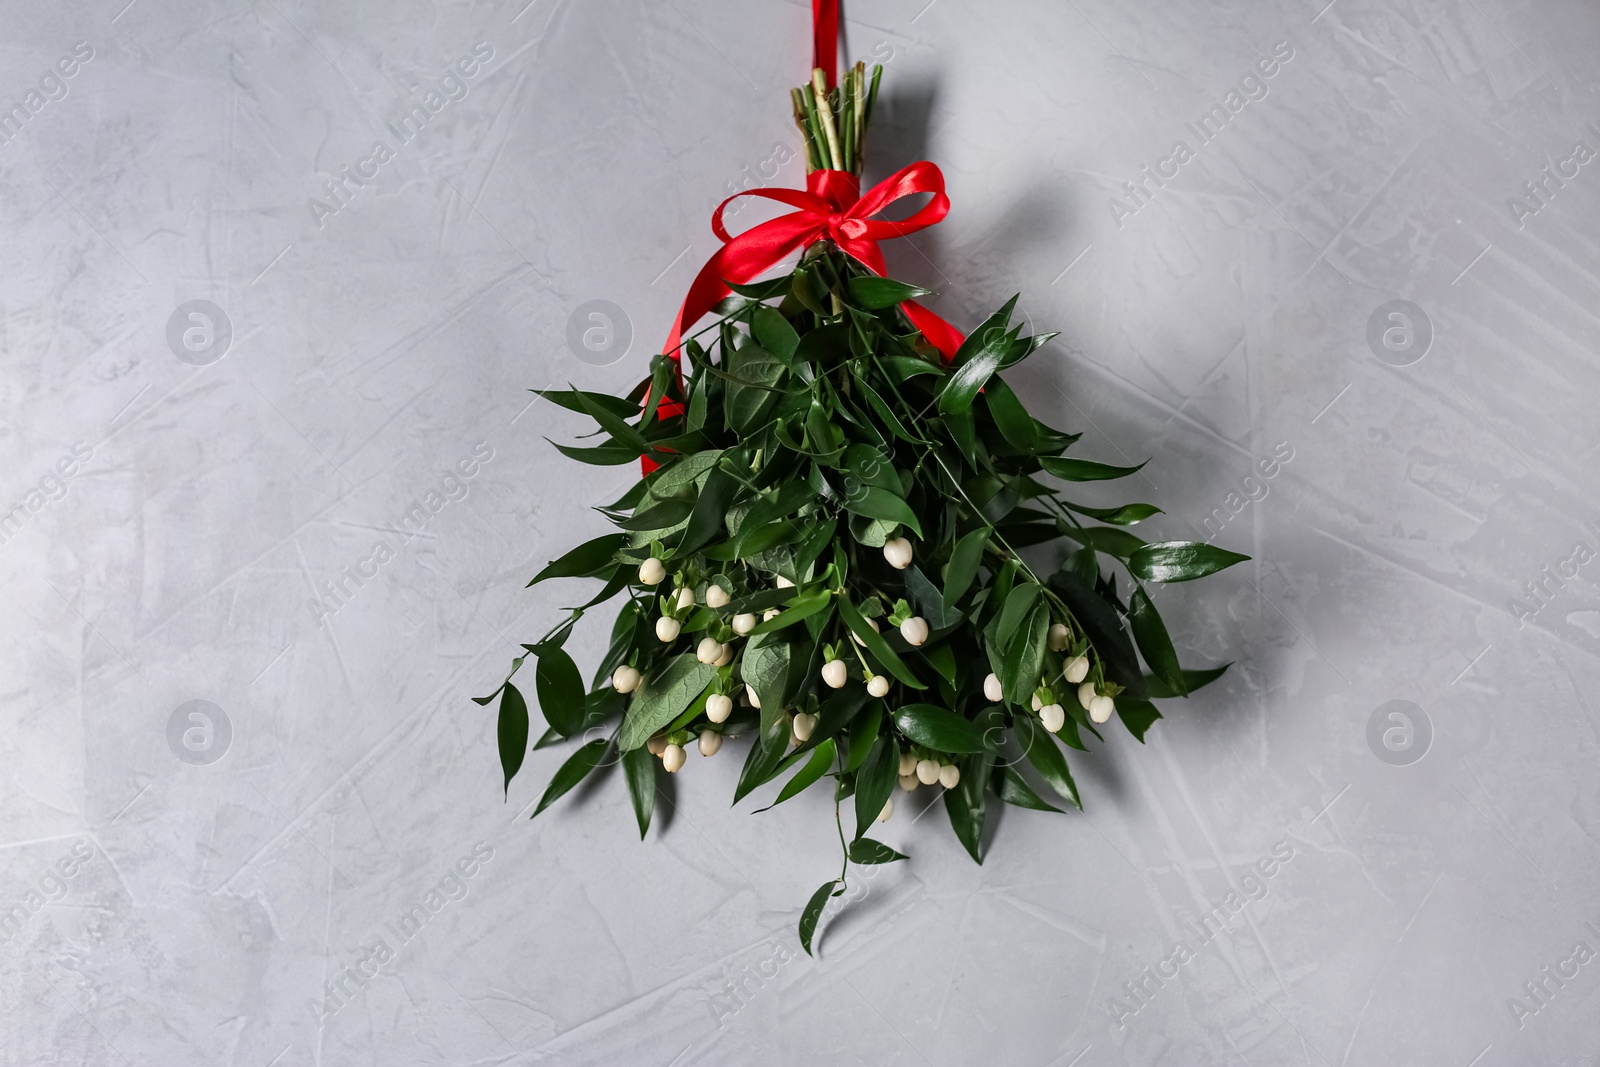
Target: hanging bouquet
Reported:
point(826, 554)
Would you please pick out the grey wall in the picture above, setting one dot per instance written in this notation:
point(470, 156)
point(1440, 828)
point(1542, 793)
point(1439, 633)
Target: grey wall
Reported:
point(186, 903)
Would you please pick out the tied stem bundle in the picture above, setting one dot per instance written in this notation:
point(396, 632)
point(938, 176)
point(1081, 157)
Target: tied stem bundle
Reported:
point(833, 121)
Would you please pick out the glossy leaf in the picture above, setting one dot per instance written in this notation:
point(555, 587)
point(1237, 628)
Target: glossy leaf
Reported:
point(560, 689)
point(1083, 470)
point(966, 806)
point(874, 293)
point(886, 657)
point(1012, 788)
point(939, 729)
point(1043, 755)
point(822, 758)
point(1154, 643)
point(875, 782)
point(587, 559)
point(512, 732)
point(865, 850)
point(813, 911)
point(1137, 715)
point(1180, 561)
point(1192, 680)
point(639, 767)
point(965, 560)
point(578, 767)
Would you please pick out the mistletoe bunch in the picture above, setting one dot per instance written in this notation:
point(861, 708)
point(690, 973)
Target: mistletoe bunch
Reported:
point(828, 557)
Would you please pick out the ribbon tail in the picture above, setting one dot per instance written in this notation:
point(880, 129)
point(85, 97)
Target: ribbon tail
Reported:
point(825, 38)
point(940, 334)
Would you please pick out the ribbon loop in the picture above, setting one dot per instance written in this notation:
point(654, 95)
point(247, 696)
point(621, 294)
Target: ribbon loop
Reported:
point(832, 207)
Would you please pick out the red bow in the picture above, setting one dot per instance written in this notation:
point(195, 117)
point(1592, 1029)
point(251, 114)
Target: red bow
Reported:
point(830, 207)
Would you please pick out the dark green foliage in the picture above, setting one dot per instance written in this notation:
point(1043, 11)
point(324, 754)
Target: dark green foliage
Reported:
point(812, 428)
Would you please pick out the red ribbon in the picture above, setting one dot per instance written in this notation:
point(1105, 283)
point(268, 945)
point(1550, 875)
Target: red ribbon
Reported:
point(830, 207)
point(825, 37)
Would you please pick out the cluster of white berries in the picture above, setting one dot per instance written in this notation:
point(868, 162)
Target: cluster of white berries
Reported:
point(836, 672)
point(670, 751)
point(914, 772)
point(1099, 707)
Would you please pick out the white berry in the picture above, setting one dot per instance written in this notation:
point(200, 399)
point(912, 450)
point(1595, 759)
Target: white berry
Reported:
point(624, 679)
point(750, 695)
point(709, 650)
point(716, 596)
point(667, 628)
point(908, 782)
point(672, 758)
point(744, 623)
point(718, 708)
point(992, 689)
point(656, 745)
point(914, 630)
point(1035, 702)
point(1076, 669)
point(836, 672)
point(725, 657)
point(685, 598)
point(908, 764)
point(888, 810)
point(898, 553)
point(652, 571)
point(927, 772)
point(1054, 717)
point(1100, 708)
point(769, 614)
point(878, 686)
point(803, 725)
point(710, 742)
point(949, 776)
point(1056, 640)
point(1085, 694)
point(782, 583)
point(857, 637)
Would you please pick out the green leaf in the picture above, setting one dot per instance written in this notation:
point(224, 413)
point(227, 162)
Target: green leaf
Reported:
point(1083, 470)
point(662, 698)
point(991, 328)
point(939, 729)
point(1137, 715)
point(1012, 788)
point(1180, 561)
point(765, 668)
point(612, 423)
point(512, 732)
point(813, 912)
point(587, 559)
point(875, 503)
point(1192, 680)
point(639, 767)
point(822, 758)
point(1024, 657)
point(970, 377)
point(875, 782)
point(875, 644)
point(560, 688)
point(1108, 539)
point(865, 850)
point(749, 404)
point(965, 804)
point(599, 456)
point(576, 769)
point(1154, 643)
point(1104, 628)
point(765, 290)
point(663, 516)
point(1042, 753)
point(874, 293)
point(620, 406)
point(863, 735)
point(773, 333)
point(710, 507)
point(1016, 425)
point(1014, 611)
point(1126, 515)
point(765, 756)
point(965, 559)
point(803, 606)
